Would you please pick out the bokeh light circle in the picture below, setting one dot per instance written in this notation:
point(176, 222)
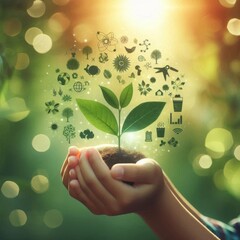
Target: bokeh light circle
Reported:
point(53, 218)
point(22, 61)
point(10, 189)
point(18, 218)
point(40, 184)
point(18, 109)
point(37, 9)
point(218, 141)
point(12, 27)
point(31, 33)
point(42, 43)
point(237, 152)
point(41, 143)
point(58, 22)
point(233, 26)
point(228, 3)
point(61, 2)
point(83, 33)
point(205, 161)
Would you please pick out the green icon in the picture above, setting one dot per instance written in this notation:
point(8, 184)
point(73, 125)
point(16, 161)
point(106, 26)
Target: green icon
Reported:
point(160, 130)
point(121, 63)
point(69, 132)
point(177, 103)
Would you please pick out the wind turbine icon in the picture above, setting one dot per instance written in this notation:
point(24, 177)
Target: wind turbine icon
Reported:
point(164, 70)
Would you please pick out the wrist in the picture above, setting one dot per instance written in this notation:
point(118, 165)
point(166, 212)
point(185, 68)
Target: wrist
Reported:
point(155, 201)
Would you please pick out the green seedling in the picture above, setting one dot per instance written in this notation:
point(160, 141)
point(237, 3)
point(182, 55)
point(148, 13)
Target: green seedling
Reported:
point(104, 119)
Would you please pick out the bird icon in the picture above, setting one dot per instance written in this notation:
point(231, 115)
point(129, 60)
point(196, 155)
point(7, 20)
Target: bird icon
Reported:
point(164, 70)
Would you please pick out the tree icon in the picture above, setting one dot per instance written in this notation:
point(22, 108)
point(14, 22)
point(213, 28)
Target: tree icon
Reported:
point(87, 50)
point(69, 132)
point(67, 113)
point(156, 54)
point(165, 87)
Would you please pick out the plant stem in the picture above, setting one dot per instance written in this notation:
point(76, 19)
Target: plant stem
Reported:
point(119, 129)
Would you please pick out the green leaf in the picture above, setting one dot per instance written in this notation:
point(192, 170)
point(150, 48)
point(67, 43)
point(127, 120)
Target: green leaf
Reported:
point(126, 95)
point(99, 116)
point(142, 116)
point(110, 97)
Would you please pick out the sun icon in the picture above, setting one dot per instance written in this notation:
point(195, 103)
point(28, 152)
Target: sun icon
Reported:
point(121, 63)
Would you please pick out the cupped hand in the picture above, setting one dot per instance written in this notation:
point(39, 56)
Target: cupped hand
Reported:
point(103, 191)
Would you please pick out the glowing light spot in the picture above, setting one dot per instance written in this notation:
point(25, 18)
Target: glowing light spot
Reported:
point(228, 3)
point(83, 33)
point(237, 152)
point(235, 66)
point(53, 218)
point(17, 109)
point(22, 61)
point(12, 27)
point(205, 161)
point(18, 218)
point(233, 26)
point(219, 180)
point(10, 189)
point(42, 43)
point(229, 39)
point(37, 9)
point(61, 2)
point(144, 12)
point(58, 23)
point(39, 184)
point(41, 143)
point(219, 141)
point(234, 184)
point(31, 33)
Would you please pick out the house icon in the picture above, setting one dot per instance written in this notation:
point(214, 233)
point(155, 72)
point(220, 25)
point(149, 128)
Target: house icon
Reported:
point(159, 92)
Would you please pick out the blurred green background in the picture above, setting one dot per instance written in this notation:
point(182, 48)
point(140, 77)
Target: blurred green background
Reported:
point(202, 35)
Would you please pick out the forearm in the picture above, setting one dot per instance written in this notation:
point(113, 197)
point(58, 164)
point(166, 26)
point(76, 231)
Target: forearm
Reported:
point(182, 199)
point(170, 220)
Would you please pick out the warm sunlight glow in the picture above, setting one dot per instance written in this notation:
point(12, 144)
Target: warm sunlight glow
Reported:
point(145, 12)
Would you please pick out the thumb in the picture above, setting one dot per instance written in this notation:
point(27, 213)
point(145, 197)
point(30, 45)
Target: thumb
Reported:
point(144, 171)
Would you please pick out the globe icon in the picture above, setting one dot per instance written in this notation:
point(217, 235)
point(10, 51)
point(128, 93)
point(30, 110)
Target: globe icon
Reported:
point(63, 78)
point(78, 87)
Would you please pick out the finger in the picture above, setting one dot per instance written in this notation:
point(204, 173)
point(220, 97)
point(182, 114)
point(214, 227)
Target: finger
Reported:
point(84, 182)
point(144, 171)
point(70, 162)
point(65, 176)
point(72, 174)
point(75, 191)
point(72, 151)
point(73, 161)
point(102, 172)
point(94, 185)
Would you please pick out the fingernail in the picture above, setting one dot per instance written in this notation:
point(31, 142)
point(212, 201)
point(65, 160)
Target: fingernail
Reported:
point(72, 173)
point(72, 159)
point(87, 154)
point(118, 172)
point(72, 150)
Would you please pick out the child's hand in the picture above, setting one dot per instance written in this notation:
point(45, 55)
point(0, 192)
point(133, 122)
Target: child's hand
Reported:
point(98, 188)
point(70, 162)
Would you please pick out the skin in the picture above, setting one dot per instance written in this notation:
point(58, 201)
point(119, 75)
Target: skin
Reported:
point(152, 196)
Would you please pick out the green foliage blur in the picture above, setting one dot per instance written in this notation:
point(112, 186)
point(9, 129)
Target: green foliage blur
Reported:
point(216, 64)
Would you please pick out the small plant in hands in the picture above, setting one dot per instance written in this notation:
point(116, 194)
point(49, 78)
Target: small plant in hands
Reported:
point(104, 119)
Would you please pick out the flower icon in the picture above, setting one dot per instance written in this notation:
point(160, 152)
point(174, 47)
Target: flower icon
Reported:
point(106, 42)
